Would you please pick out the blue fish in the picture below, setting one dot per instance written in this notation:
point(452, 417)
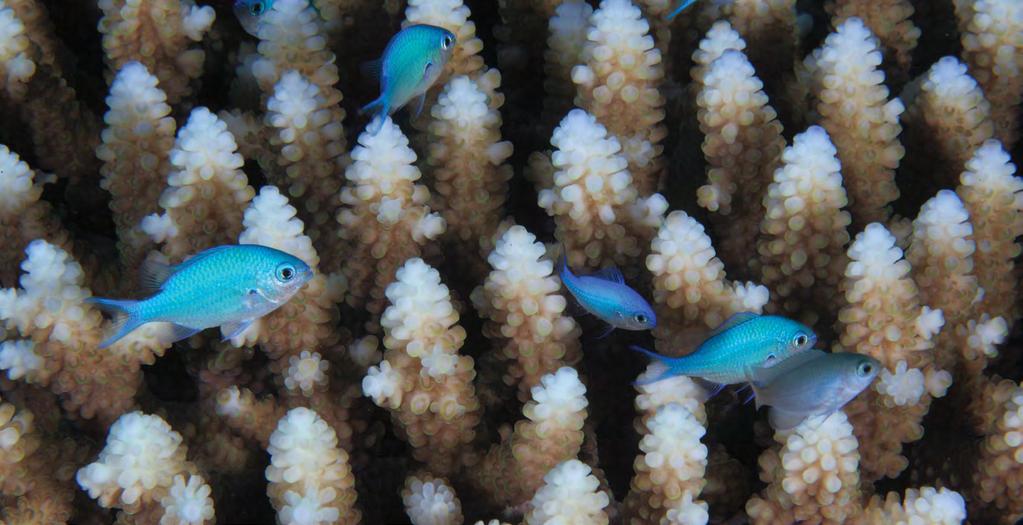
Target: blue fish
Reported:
point(738, 350)
point(680, 8)
point(812, 383)
point(228, 286)
point(412, 62)
point(249, 12)
point(606, 296)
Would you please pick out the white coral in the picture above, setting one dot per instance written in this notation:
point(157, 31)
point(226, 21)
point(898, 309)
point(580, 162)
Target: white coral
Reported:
point(570, 496)
point(904, 386)
point(20, 359)
point(187, 503)
point(559, 397)
point(431, 502)
point(306, 372)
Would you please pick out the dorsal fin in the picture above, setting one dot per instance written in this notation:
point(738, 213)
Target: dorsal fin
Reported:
point(155, 272)
point(732, 322)
point(372, 69)
point(202, 255)
point(611, 273)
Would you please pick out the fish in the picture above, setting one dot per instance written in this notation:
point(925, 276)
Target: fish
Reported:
point(411, 64)
point(680, 8)
point(738, 350)
point(606, 296)
point(249, 12)
point(814, 383)
point(228, 286)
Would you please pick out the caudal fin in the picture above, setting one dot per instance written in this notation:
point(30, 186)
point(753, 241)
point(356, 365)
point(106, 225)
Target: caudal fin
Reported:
point(124, 317)
point(378, 107)
point(665, 362)
point(679, 9)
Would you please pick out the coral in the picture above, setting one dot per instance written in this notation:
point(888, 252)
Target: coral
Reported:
point(570, 496)
point(528, 318)
point(431, 501)
point(850, 96)
point(160, 36)
point(565, 42)
point(998, 476)
point(890, 20)
point(769, 26)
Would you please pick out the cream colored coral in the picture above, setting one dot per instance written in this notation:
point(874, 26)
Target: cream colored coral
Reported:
point(32, 470)
point(432, 399)
point(994, 198)
point(890, 20)
point(743, 145)
point(670, 469)
point(992, 37)
point(431, 501)
point(251, 418)
point(17, 65)
point(948, 120)
point(883, 317)
point(720, 38)
point(691, 291)
point(926, 505)
point(618, 82)
point(384, 218)
point(206, 193)
point(308, 319)
point(813, 476)
point(135, 153)
point(310, 143)
point(593, 200)
point(160, 35)
point(566, 37)
point(850, 96)
point(569, 496)
point(291, 37)
point(466, 162)
point(550, 433)
point(805, 227)
point(769, 26)
point(310, 479)
point(998, 473)
point(144, 465)
point(452, 15)
point(527, 314)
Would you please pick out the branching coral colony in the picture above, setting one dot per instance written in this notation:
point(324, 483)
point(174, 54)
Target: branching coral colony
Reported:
point(835, 167)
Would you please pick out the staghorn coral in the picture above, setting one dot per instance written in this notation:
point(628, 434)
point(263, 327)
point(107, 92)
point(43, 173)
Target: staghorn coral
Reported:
point(804, 231)
point(569, 495)
point(992, 38)
point(890, 20)
point(850, 96)
point(618, 83)
point(527, 314)
point(998, 474)
point(550, 433)
point(769, 26)
point(384, 215)
point(160, 36)
point(565, 42)
point(143, 471)
point(430, 501)
point(422, 379)
point(600, 216)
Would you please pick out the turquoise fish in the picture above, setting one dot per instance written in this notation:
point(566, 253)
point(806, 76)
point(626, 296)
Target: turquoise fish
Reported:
point(228, 286)
point(412, 62)
point(249, 12)
point(739, 349)
point(606, 296)
point(812, 383)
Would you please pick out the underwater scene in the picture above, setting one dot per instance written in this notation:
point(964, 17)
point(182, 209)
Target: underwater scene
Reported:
point(495, 262)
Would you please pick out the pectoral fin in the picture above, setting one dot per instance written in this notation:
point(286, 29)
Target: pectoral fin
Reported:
point(612, 274)
point(232, 330)
point(180, 332)
point(784, 420)
point(419, 105)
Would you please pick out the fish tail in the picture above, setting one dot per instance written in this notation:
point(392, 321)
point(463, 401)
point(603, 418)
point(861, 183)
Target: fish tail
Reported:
point(564, 272)
point(378, 106)
point(125, 317)
point(668, 362)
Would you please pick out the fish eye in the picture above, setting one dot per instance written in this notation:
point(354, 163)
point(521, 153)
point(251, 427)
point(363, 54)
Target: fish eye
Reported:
point(865, 369)
point(285, 272)
point(641, 319)
point(257, 8)
point(447, 41)
point(801, 339)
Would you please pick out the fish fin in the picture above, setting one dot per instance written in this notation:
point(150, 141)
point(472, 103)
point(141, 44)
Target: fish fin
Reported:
point(750, 397)
point(607, 332)
point(155, 271)
point(180, 332)
point(679, 9)
point(732, 322)
point(426, 72)
point(124, 319)
point(419, 105)
point(763, 376)
point(711, 387)
point(201, 255)
point(379, 106)
point(666, 361)
point(611, 273)
point(232, 330)
point(372, 68)
point(783, 419)
point(256, 299)
point(756, 396)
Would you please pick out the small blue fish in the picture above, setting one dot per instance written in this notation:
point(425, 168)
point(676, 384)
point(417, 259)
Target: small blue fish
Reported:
point(412, 62)
point(679, 9)
point(606, 296)
point(228, 286)
point(813, 383)
point(249, 12)
point(739, 349)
